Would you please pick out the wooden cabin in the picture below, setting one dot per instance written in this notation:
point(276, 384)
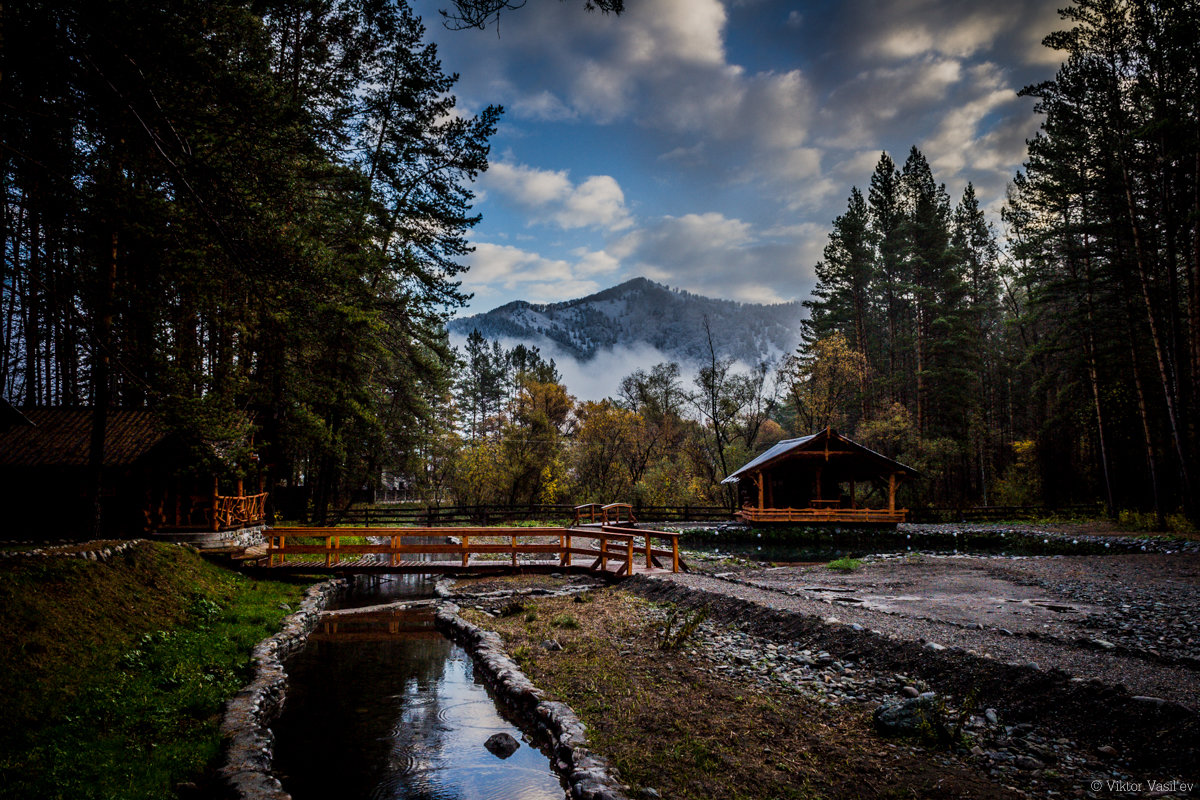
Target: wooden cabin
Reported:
point(824, 478)
point(149, 481)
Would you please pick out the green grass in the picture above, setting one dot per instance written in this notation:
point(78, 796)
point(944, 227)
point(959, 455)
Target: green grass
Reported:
point(114, 673)
point(845, 564)
point(566, 621)
point(1144, 521)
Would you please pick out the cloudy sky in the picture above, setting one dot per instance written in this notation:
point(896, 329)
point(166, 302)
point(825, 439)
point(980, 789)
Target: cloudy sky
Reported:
point(708, 145)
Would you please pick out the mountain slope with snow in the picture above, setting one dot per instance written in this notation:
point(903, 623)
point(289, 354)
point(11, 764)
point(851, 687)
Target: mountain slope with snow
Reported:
point(641, 312)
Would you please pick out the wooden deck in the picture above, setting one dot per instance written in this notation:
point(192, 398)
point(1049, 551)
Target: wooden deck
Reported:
point(823, 516)
point(434, 551)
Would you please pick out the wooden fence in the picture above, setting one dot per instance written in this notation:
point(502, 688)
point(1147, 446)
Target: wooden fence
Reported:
point(495, 514)
point(491, 514)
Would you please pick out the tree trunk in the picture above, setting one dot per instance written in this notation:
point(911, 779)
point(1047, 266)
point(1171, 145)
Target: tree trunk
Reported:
point(101, 391)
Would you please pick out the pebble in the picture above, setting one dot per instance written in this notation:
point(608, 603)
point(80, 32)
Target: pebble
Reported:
point(1017, 754)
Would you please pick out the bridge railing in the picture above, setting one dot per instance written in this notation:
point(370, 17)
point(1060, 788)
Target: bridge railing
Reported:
point(647, 548)
point(331, 547)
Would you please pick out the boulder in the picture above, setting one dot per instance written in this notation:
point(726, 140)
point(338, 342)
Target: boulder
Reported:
point(905, 717)
point(501, 745)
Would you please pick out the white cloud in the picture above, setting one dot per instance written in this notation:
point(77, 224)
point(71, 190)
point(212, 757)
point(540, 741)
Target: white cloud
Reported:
point(714, 255)
point(544, 106)
point(498, 268)
point(549, 196)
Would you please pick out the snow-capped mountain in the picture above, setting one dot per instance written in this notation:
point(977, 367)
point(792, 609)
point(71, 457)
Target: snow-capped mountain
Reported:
point(640, 313)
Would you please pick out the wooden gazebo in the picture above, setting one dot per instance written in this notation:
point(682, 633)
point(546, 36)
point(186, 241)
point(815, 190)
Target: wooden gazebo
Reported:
point(147, 484)
point(818, 479)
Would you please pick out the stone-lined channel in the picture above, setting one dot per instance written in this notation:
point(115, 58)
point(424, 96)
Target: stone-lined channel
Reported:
point(382, 705)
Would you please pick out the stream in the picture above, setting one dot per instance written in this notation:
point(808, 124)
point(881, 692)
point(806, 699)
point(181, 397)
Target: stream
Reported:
point(382, 705)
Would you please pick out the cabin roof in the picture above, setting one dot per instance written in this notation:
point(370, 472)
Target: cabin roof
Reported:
point(61, 437)
point(781, 450)
point(10, 417)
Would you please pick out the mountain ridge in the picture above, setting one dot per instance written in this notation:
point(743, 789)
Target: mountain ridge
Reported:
point(642, 312)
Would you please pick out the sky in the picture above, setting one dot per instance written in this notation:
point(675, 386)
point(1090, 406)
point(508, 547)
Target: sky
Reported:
point(709, 145)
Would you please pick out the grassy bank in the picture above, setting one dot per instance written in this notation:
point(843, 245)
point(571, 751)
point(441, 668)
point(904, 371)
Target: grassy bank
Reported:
point(670, 724)
point(114, 673)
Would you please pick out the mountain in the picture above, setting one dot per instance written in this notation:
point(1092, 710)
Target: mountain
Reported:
point(642, 312)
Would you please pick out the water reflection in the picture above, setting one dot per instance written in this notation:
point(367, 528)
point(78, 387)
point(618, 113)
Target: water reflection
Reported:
point(383, 706)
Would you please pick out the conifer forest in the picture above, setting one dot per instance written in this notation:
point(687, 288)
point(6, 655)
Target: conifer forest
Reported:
point(252, 218)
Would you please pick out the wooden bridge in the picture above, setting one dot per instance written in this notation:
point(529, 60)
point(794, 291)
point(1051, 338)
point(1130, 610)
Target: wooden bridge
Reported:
point(609, 549)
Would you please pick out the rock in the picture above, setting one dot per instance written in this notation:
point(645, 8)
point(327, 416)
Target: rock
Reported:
point(991, 716)
point(501, 745)
point(1107, 750)
point(650, 794)
point(910, 691)
point(1103, 644)
point(1028, 763)
point(187, 789)
point(552, 645)
point(904, 717)
point(934, 646)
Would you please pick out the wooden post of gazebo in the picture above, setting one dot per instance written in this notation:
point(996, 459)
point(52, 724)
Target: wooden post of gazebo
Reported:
point(216, 522)
point(892, 492)
point(758, 478)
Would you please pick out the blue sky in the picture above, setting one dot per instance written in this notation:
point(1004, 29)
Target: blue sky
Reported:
point(709, 145)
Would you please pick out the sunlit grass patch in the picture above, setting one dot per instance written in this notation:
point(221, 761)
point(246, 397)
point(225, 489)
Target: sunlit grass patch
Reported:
point(114, 673)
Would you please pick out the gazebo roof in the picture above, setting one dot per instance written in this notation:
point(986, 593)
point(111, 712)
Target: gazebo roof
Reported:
point(864, 457)
point(61, 437)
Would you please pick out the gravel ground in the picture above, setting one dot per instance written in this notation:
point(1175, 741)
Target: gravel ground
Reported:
point(1088, 667)
point(1128, 620)
point(1023, 756)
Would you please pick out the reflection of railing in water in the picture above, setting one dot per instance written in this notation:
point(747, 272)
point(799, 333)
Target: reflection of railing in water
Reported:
point(376, 626)
point(609, 549)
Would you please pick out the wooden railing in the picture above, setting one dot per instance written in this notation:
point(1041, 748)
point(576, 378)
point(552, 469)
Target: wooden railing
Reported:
point(618, 514)
point(495, 546)
point(589, 514)
point(238, 512)
point(610, 514)
point(803, 515)
point(648, 549)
